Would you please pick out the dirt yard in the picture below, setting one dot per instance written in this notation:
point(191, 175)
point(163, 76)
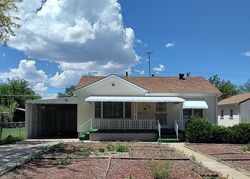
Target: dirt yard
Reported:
point(231, 154)
point(110, 160)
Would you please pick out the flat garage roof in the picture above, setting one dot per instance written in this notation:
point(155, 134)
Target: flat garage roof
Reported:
point(63, 100)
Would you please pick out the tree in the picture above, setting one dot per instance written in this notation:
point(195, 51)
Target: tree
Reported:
point(227, 88)
point(246, 87)
point(69, 91)
point(8, 22)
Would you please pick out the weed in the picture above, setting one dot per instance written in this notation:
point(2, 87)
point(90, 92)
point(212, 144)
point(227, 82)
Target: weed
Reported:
point(193, 158)
point(56, 148)
point(246, 149)
point(101, 150)
point(86, 151)
point(110, 147)
point(61, 161)
point(160, 171)
point(34, 157)
point(122, 148)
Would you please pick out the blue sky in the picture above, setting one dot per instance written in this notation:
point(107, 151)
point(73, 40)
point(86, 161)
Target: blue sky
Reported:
point(201, 37)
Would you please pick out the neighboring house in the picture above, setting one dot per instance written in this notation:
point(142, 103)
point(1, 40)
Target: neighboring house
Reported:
point(127, 108)
point(234, 110)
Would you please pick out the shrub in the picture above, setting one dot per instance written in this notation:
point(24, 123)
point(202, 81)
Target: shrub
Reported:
point(110, 147)
point(241, 133)
point(122, 148)
point(246, 149)
point(198, 130)
point(160, 171)
point(86, 151)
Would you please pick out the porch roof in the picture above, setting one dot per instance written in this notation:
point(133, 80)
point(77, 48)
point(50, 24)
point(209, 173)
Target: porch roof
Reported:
point(195, 105)
point(134, 99)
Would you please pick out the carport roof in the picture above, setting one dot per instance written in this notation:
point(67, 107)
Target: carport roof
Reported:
point(63, 100)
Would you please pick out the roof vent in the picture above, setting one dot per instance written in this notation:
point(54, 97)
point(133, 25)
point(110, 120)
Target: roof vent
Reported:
point(181, 76)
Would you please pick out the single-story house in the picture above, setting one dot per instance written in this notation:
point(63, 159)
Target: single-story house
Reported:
point(134, 108)
point(234, 110)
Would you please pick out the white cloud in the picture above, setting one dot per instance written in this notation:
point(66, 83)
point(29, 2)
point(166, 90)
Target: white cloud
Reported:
point(247, 54)
point(40, 88)
point(3, 55)
point(86, 32)
point(169, 45)
point(71, 72)
point(50, 96)
point(159, 68)
point(26, 70)
point(141, 72)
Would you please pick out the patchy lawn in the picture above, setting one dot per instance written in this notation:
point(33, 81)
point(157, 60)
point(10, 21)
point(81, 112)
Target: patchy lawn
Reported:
point(110, 160)
point(14, 132)
point(234, 155)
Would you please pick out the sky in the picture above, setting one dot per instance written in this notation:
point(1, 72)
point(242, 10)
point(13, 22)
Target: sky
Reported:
point(61, 40)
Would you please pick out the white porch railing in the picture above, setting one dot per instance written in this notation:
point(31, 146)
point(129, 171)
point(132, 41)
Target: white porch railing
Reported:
point(176, 129)
point(125, 124)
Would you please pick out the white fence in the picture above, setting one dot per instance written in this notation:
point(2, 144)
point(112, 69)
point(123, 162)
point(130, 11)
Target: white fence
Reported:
point(126, 124)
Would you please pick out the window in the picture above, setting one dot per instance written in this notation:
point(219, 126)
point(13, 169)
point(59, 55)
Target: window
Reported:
point(187, 113)
point(112, 110)
point(161, 107)
point(98, 108)
point(231, 114)
point(127, 110)
point(198, 113)
point(222, 114)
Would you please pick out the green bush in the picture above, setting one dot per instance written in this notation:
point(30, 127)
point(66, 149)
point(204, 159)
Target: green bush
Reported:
point(198, 130)
point(202, 131)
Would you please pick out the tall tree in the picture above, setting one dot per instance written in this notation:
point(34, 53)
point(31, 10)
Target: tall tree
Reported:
point(69, 91)
point(227, 88)
point(246, 87)
point(8, 22)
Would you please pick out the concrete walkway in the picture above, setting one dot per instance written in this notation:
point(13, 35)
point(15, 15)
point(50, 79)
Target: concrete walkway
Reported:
point(14, 155)
point(210, 163)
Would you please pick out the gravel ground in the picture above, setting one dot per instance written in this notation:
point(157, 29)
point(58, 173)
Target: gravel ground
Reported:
point(134, 164)
point(230, 154)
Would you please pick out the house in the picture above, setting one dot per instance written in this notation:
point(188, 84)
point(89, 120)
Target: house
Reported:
point(129, 107)
point(234, 110)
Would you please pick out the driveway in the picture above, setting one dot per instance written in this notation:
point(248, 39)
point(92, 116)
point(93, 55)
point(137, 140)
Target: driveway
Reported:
point(15, 154)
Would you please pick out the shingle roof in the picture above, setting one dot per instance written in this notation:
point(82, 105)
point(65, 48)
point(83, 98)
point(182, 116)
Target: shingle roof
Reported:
point(161, 84)
point(235, 99)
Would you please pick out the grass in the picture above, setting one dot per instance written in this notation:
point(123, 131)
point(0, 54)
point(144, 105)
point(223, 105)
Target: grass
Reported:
point(14, 132)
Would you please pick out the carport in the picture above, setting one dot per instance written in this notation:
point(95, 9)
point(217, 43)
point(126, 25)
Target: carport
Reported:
point(51, 118)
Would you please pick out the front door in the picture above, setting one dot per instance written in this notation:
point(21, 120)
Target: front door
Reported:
point(161, 114)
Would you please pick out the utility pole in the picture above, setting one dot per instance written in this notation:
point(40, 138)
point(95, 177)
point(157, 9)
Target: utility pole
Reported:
point(149, 62)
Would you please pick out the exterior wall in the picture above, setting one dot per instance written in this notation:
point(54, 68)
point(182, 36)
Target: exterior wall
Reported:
point(245, 112)
point(85, 109)
point(226, 120)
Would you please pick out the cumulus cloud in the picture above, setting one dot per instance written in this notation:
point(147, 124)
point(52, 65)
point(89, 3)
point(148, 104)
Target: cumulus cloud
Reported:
point(247, 54)
point(40, 88)
point(71, 72)
point(159, 68)
point(26, 70)
point(141, 72)
point(86, 32)
point(169, 45)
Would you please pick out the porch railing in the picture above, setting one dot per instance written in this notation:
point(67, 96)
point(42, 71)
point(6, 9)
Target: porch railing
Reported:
point(126, 124)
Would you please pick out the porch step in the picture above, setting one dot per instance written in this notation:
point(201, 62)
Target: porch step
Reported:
point(168, 140)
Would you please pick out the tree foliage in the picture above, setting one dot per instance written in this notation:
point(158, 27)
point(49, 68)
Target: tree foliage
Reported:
point(246, 87)
point(69, 91)
point(227, 88)
point(13, 94)
point(8, 22)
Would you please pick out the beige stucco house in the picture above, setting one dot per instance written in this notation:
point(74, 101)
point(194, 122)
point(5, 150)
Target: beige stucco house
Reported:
point(128, 107)
point(234, 110)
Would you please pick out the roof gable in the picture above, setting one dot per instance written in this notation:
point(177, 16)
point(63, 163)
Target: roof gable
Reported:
point(237, 99)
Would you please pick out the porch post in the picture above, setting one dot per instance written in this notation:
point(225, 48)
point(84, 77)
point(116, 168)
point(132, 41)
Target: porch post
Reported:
point(135, 111)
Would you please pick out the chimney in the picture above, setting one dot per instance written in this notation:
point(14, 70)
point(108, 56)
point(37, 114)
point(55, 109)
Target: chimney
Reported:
point(181, 76)
point(126, 73)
